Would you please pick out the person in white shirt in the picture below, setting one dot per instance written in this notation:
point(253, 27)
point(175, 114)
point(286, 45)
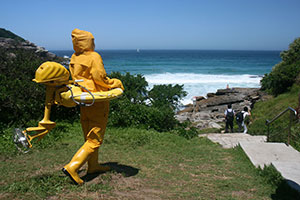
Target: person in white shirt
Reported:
point(246, 113)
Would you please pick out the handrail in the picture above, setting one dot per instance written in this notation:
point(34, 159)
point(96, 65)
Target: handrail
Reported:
point(289, 108)
point(293, 113)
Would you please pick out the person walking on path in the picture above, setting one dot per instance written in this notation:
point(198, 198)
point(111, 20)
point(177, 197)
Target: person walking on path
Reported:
point(242, 118)
point(229, 117)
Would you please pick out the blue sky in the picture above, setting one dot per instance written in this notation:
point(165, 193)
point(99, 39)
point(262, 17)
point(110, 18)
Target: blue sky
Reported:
point(156, 24)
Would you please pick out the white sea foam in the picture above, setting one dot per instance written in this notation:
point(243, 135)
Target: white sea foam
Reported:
point(201, 84)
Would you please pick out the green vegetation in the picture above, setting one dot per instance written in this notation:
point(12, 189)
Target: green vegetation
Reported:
point(151, 154)
point(284, 83)
point(147, 164)
point(7, 34)
point(166, 95)
point(21, 99)
point(142, 108)
point(284, 75)
point(267, 110)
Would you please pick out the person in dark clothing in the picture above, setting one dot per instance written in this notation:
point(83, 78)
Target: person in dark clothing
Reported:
point(229, 117)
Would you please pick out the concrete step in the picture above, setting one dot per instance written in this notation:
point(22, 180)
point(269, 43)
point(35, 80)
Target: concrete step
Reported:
point(262, 154)
point(284, 158)
point(231, 140)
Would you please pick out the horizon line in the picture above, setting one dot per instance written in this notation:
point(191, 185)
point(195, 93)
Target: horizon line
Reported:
point(171, 50)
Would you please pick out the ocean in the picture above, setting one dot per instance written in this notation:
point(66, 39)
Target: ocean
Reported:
point(200, 71)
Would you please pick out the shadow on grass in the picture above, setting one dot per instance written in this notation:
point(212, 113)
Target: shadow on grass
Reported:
point(127, 171)
point(287, 190)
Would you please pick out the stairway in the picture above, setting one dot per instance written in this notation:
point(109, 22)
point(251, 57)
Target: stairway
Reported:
point(284, 158)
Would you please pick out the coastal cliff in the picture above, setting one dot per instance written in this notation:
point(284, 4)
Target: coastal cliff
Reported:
point(21, 99)
point(10, 43)
point(209, 112)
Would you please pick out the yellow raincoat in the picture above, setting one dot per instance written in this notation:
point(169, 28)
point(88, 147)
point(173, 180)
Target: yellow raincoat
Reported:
point(87, 65)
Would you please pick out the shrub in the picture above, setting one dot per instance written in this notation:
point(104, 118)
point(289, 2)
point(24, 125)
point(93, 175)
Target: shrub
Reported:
point(187, 133)
point(166, 95)
point(132, 109)
point(267, 110)
point(124, 113)
point(21, 99)
point(135, 86)
point(284, 74)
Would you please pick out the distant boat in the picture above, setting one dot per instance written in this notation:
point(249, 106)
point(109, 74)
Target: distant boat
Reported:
point(138, 50)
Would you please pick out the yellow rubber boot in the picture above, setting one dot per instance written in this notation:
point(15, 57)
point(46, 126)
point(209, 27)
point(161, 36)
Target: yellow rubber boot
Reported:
point(93, 165)
point(81, 156)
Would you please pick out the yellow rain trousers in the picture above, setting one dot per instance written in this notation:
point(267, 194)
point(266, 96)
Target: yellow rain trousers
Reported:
point(87, 65)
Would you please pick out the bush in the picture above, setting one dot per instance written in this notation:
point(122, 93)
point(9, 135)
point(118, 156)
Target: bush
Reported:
point(284, 74)
point(124, 113)
point(281, 78)
point(187, 133)
point(135, 86)
point(166, 95)
point(267, 110)
point(132, 109)
point(21, 99)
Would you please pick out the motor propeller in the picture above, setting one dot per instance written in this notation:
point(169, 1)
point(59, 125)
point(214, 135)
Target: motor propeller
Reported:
point(20, 141)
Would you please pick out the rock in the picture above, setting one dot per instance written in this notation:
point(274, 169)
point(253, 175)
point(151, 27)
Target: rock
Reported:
point(221, 100)
point(8, 43)
point(199, 98)
point(210, 94)
point(254, 98)
point(219, 116)
point(187, 109)
point(188, 105)
point(225, 91)
point(183, 117)
point(214, 125)
point(209, 112)
point(51, 55)
point(201, 116)
point(11, 55)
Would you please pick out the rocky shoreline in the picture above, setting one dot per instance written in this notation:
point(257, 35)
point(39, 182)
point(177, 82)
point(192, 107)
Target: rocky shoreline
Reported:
point(208, 112)
point(9, 44)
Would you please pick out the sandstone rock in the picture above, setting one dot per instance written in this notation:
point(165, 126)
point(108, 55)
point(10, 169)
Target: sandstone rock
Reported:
point(199, 98)
point(254, 98)
point(11, 55)
point(202, 124)
point(225, 91)
point(187, 109)
point(219, 116)
point(214, 125)
point(201, 116)
point(8, 43)
point(209, 113)
point(210, 94)
point(221, 100)
point(183, 117)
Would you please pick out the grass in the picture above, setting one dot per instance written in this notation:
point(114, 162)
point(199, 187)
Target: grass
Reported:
point(147, 165)
point(267, 110)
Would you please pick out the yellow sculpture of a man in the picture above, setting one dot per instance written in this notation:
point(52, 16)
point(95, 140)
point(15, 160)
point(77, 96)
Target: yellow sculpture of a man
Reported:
point(87, 65)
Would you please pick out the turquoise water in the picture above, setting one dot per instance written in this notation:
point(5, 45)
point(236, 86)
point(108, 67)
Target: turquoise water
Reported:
point(201, 71)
